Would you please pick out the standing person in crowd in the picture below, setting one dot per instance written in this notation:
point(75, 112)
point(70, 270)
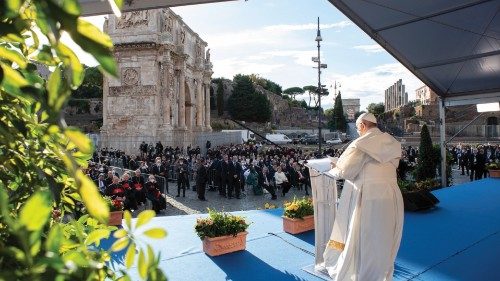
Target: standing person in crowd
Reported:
point(368, 226)
point(215, 167)
point(480, 167)
point(160, 169)
point(144, 149)
point(306, 178)
point(472, 163)
point(227, 173)
point(237, 178)
point(154, 195)
point(463, 161)
point(182, 178)
point(201, 179)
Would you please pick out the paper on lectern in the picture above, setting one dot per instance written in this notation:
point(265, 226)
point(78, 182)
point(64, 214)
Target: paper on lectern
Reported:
point(321, 165)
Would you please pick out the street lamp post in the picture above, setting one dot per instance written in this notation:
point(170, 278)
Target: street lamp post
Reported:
point(320, 87)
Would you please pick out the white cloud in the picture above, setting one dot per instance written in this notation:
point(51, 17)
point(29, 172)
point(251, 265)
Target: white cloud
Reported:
point(229, 67)
point(266, 36)
point(375, 48)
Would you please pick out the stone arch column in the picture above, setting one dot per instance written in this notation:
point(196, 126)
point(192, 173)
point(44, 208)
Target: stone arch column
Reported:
point(181, 105)
point(199, 104)
point(188, 108)
point(207, 106)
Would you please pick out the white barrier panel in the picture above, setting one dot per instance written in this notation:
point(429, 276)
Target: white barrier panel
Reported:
point(324, 193)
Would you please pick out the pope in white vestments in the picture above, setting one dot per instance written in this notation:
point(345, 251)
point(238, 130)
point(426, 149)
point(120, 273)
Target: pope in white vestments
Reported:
point(367, 229)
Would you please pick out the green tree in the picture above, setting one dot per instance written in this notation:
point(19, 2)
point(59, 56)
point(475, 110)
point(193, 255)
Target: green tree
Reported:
point(338, 120)
point(293, 91)
point(220, 97)
point(273, 87)
point(91, 86)
point(246, 104)
point(426, 166)
point(42, 161)
point(376, 109)
point(311, 91)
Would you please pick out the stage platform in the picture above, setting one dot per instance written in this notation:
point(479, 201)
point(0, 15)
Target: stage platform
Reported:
point(459, 240)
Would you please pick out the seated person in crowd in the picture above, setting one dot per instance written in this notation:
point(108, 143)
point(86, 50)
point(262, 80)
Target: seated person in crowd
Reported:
point(138, 185)
point(266, 181)
point(130, 192)
point(281, 181)
point(252, 180)
point(154, 195)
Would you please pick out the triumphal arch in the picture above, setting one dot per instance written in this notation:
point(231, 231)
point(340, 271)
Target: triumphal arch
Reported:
point(162, 92)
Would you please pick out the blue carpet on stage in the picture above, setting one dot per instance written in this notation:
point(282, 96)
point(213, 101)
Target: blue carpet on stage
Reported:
point(459, 240)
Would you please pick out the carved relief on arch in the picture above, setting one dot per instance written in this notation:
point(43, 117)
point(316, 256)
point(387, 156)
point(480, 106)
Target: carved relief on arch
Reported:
point(131, 76)
point(168, 21)
point(132, 19)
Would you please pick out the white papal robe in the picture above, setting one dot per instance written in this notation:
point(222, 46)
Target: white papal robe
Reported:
point(367, 229)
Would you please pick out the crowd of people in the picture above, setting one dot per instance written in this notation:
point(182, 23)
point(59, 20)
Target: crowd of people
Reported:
point(231, 169)
point(228, 170)
point(470, 159)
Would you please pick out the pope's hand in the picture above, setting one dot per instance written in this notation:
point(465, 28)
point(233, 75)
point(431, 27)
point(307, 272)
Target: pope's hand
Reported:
point(332, 165)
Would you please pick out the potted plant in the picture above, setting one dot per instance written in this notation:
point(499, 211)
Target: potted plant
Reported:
point(298, 216)
point(222, 233)
point(417, 195)
point(116, 211)
point(494, 169)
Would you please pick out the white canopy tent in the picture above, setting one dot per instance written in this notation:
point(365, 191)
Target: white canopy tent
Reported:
point(453, 46)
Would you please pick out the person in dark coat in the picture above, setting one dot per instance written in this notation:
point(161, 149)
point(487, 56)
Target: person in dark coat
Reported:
point(236, 171)
point(138, 184)
point(480, 166)
point(227, 173)
point(154, 195)
point(201, 179)
point(266, 181)
point(182, 178)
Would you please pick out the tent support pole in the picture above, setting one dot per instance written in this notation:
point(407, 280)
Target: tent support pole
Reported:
point(442, 140)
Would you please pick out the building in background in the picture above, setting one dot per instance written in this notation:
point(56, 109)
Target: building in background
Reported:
point(426, 96)
point(395, 96)
point(350, 106)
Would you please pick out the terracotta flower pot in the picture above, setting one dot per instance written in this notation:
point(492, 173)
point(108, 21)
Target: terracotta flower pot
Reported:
point(115, 218)
point(216, 246)
point(495, 173)
point(294, 226)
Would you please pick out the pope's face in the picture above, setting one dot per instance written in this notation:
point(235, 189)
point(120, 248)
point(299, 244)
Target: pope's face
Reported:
point(360, 128)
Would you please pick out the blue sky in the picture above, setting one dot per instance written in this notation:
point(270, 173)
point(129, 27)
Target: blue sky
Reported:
point(275, 39)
